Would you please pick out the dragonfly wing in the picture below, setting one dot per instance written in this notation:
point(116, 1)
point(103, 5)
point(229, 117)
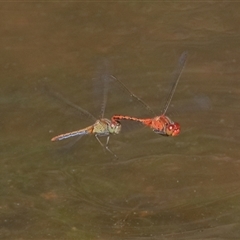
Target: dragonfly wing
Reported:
point(101, 85)
point(176, 76)
point(69, 103)
point(124, 88)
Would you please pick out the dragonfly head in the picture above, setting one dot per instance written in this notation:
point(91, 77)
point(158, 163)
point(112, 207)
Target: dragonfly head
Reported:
point(173, 129)
point(115, 127)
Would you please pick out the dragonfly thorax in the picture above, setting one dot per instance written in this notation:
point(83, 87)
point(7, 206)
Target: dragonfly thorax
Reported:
point(111, 127)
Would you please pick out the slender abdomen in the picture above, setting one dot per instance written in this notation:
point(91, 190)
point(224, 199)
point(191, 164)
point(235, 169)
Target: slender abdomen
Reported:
point(84, 131)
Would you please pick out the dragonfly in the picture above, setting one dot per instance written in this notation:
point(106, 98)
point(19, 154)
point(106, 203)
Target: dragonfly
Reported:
point(161, 124)
point(102, 127)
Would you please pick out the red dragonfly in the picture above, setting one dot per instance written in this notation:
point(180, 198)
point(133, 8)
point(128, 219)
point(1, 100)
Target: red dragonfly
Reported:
point(162, 124)
point(101, 127)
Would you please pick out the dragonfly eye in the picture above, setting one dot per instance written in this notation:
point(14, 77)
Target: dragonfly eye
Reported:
point(173, 129)
point(115, 124)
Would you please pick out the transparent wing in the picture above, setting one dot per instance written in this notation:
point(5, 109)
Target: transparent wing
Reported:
point(198, 103)
point(176, 76)
point(69, 103)
point(131, 94)
point(101, 86)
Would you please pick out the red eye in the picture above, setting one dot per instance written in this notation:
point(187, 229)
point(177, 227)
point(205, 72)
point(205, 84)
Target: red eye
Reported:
point(173, 129)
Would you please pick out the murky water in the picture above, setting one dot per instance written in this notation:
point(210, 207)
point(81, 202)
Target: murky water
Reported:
point(186, 187)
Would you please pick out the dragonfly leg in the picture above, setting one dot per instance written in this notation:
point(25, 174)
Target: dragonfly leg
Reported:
point(160, 132)
point(106, 145)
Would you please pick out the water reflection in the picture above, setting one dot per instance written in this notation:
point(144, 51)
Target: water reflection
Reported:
point(160, 188)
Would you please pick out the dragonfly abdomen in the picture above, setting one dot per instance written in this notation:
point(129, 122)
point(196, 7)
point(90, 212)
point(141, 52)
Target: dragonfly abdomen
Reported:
point(80, 132)
point(121, 117)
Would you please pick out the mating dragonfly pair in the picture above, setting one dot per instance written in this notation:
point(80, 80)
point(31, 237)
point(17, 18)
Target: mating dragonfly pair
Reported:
point(161, 124)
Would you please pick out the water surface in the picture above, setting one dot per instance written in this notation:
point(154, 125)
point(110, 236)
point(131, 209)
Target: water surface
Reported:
point(160, 188)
